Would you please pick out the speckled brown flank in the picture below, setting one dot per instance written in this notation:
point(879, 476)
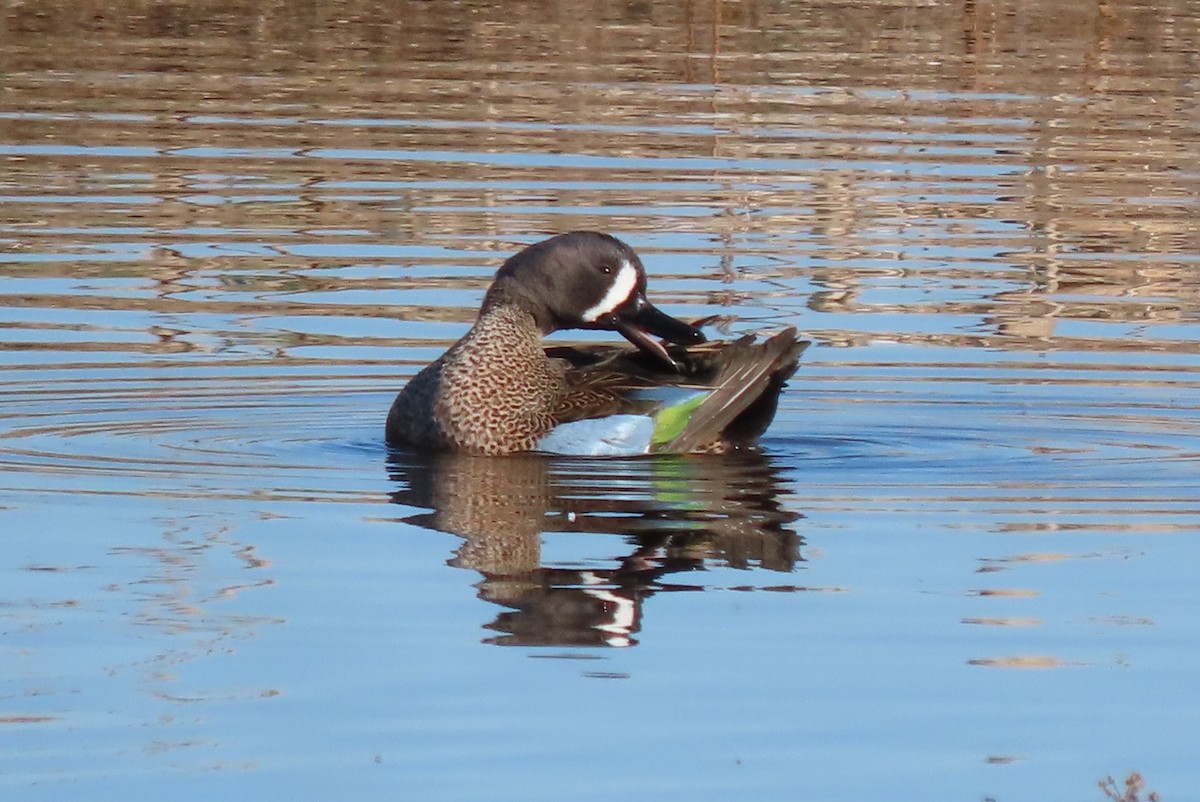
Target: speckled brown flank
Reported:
point(492, 393)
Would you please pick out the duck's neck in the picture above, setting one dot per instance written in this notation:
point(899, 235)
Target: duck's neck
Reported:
point(507, 322)
point(505, 296)
point(505, 340)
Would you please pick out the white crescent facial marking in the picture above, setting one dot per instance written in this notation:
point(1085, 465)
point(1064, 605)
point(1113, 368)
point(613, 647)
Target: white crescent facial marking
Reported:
point(618, 293)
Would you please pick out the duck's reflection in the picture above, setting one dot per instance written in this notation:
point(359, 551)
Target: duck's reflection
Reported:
point(673, 514)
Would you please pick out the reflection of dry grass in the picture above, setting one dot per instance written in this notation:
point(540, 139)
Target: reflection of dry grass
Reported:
point(1124, 620)
point(26, 719)
point(1021, 593)
point(1134, 785)
point(1037, 557)
point(1004, 622)
point(382, 123)
point(1021, 661)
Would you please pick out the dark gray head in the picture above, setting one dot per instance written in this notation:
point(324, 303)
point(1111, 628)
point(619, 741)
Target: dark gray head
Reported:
point(588, 280)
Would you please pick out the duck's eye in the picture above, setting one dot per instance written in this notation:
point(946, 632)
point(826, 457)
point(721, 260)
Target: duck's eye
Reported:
point(606, 269)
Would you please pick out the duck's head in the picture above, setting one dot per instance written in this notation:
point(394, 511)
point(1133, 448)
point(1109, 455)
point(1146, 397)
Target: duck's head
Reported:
point(589, 280)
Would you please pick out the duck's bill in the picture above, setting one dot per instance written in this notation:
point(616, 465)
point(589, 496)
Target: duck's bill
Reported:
point(646, 323)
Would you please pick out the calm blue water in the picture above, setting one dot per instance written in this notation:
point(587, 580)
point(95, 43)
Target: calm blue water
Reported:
point(959, 569)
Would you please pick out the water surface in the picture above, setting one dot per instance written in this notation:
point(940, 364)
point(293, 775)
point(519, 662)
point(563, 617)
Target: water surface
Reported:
point(960, 568)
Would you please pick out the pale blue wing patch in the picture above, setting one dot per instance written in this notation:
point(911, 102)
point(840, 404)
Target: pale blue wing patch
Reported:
point(627, 435)
point(614, 436)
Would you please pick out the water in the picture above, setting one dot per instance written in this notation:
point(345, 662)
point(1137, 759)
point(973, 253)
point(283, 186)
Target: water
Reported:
point(960, 569)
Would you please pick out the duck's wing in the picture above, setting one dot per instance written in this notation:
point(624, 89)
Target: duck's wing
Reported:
point(603, 380)
point(743, 398)
point(725, 393)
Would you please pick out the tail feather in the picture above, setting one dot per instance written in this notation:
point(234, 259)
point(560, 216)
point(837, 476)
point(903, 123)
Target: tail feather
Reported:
point(750, 370)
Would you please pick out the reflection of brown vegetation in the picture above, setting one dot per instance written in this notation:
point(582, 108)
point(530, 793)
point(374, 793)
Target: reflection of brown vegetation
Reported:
point(1038, 557)
point(1132, 792)
point(1021, 661)
point(26, 719)
point(1124, 620)
point(1058, 146)
point(1013, 592)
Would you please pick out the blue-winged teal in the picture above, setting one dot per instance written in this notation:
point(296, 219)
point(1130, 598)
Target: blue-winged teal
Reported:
point(499, 391)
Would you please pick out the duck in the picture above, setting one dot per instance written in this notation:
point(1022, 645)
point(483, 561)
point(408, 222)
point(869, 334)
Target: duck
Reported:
point(501, 390)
